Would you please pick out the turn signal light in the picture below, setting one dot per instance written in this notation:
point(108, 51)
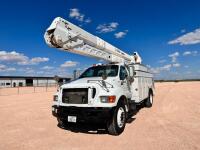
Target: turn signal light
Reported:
point(111, 99)
point(108, 99)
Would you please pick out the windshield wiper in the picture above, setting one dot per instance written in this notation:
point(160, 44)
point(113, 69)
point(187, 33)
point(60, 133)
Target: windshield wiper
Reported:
point(102, 84)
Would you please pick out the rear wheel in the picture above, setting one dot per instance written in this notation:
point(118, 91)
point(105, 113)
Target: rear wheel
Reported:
point(149, 101)
point(117, 123)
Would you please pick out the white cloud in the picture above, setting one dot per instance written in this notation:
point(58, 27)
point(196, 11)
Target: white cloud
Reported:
point(36, 71)
point(30, 71)
point(102, 61)
point(33, 61)
point(174, 56)
point(162, 61)
point(20, 59)
point(105, 28)
point(11, 69)
point(187, 53)
point(194, 53)
point(188, 38)
point(4, 68)
point(69, 64)
point(47, 67)
point(183, 31)
point(166, 67)
point(88, 20)
point(157, 70)
point(12, 56)
point(186, 66)
point(176, 65)
point(75, 13)
point(38, 60)
point(40, 72)
point(121, 34)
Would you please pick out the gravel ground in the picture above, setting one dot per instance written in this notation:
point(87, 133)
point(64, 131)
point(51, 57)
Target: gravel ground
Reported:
point(172, 123)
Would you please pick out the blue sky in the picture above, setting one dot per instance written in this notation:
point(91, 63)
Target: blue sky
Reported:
point(165, 33)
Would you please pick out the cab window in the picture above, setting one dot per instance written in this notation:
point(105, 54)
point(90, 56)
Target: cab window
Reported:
point(99, 71)
point(123, 73)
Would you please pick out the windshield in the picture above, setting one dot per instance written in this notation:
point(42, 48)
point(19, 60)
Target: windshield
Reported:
point(99, 71)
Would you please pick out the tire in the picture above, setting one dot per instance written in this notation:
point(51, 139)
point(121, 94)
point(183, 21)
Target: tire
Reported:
point(149, 101)
point(118, 121)
point(62, 123)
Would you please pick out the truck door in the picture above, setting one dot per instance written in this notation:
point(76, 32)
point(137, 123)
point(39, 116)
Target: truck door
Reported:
point(124, 83)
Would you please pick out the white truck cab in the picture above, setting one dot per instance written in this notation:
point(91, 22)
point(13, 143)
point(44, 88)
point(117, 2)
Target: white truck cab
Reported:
point(99, 91)
point(105, 93)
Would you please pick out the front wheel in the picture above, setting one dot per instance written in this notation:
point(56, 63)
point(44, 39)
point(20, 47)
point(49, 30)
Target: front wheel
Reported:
point(117, 123)
point(149, 101)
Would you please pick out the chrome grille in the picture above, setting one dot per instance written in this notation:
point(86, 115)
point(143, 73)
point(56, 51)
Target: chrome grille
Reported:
point(75, 96)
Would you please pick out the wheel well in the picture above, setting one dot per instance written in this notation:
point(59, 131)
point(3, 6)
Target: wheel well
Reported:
point(123, 98)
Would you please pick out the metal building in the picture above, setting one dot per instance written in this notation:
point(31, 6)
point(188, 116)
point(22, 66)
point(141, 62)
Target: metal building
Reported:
point(14, 81)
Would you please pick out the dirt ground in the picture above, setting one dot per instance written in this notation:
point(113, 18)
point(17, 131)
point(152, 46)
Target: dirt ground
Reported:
point(172, 123)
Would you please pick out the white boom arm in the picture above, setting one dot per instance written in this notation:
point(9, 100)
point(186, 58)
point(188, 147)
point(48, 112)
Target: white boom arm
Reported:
point(68, 37)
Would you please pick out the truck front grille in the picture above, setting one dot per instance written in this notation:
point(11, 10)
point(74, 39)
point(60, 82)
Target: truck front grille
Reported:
point(75, 96)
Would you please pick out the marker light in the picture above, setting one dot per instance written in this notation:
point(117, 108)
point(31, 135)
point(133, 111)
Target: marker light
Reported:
point(108, 99)
point(55, 98)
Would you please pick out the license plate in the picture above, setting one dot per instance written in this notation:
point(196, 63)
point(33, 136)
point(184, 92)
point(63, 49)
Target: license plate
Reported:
point(71, 118)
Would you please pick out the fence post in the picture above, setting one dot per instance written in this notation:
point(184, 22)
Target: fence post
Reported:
point(18, 89)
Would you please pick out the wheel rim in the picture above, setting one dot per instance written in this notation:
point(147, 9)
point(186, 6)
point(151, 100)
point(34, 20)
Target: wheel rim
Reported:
point(151, 98)
point(120, 117)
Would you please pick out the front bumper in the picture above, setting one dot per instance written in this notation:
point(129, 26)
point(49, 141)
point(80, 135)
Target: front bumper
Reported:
point(83, 114)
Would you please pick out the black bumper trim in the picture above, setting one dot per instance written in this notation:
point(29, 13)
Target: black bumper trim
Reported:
point(83, 114)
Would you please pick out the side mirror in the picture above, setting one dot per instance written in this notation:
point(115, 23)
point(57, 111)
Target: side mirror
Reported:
point(123, 77)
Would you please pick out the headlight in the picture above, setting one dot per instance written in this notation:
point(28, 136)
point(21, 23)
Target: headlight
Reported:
point(55, 98)
point(108, 99)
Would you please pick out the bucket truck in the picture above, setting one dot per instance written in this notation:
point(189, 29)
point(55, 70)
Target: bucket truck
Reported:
point(106, 93)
